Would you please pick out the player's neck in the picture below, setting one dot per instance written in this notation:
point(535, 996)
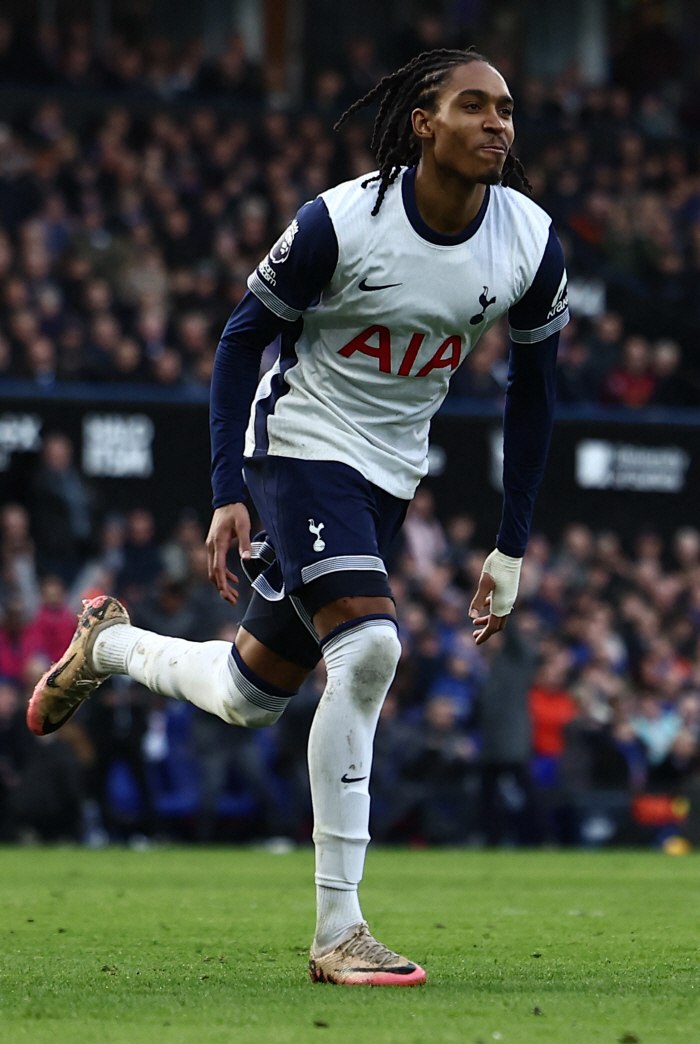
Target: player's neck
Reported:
point(446, 202)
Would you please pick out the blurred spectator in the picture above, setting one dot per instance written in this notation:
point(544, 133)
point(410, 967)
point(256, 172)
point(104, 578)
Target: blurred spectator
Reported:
point(209, 610)
point(232, 74)
point(577, 377)
point(436, 770)
point(61, 509)
point(425, 34)
point(99, 573)
point(166, 612)
point(551, 705)
point(633, 382)
point(290, 759)
point(52, 628)
point(460, 534)
point(686, 548)
point(19, 579)
point(13, 642)
point(505, 730)
point(390, 798)
point(477, 377)
point(363, 68)
point(188, 536)
point(575, 554)
point(657, 727)
point(425, 538)
point(142, 562)
point(117, 723)
point(600, 745)
point(232, 760)
point(47, 800)
point(327, 94)
point(670, 388)
point(16, 743)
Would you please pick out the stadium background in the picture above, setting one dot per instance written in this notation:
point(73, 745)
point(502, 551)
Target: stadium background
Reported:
point(149, 154)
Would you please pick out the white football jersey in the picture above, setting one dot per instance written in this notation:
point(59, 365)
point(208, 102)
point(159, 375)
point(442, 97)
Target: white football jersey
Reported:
point(390, 309)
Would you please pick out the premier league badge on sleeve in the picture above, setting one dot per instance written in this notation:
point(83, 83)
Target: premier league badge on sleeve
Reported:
point(280, 251)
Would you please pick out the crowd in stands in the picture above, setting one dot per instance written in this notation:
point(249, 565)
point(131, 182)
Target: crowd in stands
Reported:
point(578, 724)
point(67, 57)
point(126, 238)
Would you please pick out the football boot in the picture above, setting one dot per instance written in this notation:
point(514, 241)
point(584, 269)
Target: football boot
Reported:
point(360, 960)
point(72, 679)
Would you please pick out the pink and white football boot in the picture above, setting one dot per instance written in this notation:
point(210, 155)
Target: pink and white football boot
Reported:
point(362, 961)
point(72, 679)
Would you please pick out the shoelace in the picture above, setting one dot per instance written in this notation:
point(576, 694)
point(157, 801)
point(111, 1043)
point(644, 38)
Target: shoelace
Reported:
point(81, 683)
point(362, 944)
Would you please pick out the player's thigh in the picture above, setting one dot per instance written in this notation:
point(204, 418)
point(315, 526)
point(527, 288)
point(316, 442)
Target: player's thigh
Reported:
point(328, 525)
point(351, 608)
point(273, 642)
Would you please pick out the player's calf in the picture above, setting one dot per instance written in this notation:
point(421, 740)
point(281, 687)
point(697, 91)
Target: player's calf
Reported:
point(211, 675)
point(361, 657)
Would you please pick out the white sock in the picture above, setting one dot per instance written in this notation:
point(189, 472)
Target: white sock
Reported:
point(112, 646)
point(211, 675)
point(361, 660)
point(337, 912)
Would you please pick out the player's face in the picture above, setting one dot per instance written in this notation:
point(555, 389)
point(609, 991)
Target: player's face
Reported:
point(471, 125)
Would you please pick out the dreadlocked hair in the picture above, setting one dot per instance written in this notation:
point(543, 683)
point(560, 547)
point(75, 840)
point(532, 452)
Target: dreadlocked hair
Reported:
point(414, 86)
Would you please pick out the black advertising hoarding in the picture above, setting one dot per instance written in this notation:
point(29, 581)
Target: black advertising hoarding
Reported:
point(132, 453)
point(608, 468)
point(612, 475)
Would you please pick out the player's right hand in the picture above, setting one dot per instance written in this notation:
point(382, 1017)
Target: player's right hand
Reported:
point(230, 522)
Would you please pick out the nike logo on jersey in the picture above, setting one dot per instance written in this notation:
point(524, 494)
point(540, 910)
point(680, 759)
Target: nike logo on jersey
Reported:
point(354, 779)
point(484, 302)
point(386, 286)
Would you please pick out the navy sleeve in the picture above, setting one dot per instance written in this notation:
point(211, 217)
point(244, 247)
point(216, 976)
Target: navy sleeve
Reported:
point(287, 282)
point(301, 263)
point(249, 330)
point(544, 307)
point(527, 428)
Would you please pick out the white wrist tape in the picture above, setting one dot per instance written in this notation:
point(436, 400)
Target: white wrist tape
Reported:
point(506, 573)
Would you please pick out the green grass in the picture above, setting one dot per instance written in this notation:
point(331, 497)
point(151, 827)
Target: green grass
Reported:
point(190, 946)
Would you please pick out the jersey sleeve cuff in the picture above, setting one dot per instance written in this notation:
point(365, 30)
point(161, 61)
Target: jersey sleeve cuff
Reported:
point(270, 300)
point(510, 550)
point(542, 332)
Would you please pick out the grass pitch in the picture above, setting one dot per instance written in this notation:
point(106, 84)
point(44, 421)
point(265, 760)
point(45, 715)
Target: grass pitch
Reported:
point(187, 946)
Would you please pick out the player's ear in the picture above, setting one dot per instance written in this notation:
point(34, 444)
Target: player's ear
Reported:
point(422, 124)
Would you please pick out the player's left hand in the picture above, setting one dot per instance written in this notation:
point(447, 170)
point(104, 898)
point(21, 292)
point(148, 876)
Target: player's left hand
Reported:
point(498, 589)
point(480, 614)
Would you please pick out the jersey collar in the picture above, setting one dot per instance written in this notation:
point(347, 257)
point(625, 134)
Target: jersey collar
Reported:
point(408, 191)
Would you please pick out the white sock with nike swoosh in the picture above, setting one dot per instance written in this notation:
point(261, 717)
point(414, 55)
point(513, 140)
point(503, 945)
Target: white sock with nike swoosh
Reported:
point(361, 658)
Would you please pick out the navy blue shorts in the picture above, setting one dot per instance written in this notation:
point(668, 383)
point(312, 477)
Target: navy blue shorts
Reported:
point(327, 533)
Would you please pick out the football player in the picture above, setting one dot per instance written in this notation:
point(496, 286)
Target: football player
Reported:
point(377, 291)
